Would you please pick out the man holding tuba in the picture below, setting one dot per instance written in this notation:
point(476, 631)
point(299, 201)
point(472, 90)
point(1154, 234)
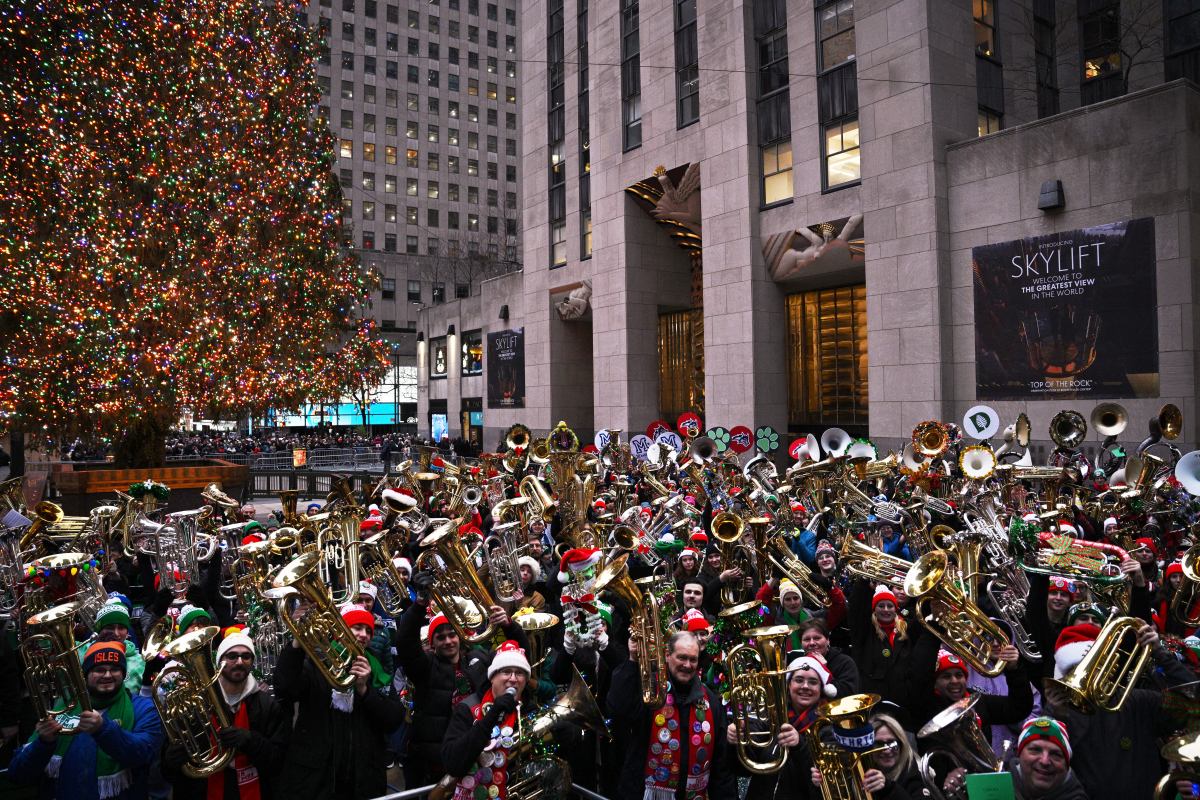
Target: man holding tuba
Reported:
point(258, 735)
point(116, 743)
point(677, 749)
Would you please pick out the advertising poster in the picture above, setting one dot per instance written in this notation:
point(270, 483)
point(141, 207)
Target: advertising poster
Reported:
point(1068, 315)
point(506, 369)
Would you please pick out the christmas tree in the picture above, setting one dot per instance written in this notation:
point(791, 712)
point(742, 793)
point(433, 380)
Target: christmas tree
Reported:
point(170, 226)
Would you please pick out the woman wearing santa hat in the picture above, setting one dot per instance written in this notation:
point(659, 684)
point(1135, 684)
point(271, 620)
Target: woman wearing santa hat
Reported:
point(881, 639)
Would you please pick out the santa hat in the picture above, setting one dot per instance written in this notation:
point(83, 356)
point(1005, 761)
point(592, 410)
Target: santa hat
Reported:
point(1110, 522)
point(251, 538)
point(354, 614)
point(435, 623)
point(796, 507)
point(509, 655)
point(1065, 527)
point(1045, 729)
point(1030, 517)
point(370, 524)
point(694, 620)
point(1058, 584)
point(469, 529)
point(534, 566)
point(1174, 568)
point(189, 615)
point(947, 660)
point(373, 510)
point(113, 612)
point(882, 592)
point(1073, 644)
point(815, 663)
point(577, 559)
point(699, 538)
point(400, 562)
point(1149, 544)
point(786, 587)
point(825, 545)
point(687, 551)
point(232, 640)
point(366, 587)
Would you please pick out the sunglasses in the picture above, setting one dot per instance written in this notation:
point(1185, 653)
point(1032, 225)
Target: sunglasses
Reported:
point(237, 657)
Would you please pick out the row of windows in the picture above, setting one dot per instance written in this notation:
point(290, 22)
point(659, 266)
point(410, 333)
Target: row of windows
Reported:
point(585, 145)
point(370, 94)
point(556, 131)
point(391, 156)
point(411, 185)
point(388, 289)
point(371, 10)
point(470, 359)
point(433, 134)
point(432, 217)
point(370, 36)
point(433, 246)
point(369, 65)
point(350, 118)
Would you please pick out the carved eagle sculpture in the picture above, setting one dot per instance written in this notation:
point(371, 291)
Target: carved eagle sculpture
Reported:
point(575, 304)
point(680, 203)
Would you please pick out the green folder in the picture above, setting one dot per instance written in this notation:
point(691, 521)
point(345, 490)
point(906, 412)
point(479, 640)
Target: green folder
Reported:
point(990, 786)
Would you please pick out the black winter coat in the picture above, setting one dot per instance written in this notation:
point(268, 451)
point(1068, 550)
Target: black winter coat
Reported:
point(331, 753)
point(630, 713)
point(883, 668)
point(269, 734)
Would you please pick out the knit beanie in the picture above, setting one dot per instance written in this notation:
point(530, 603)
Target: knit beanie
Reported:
point(231, 640)
point(1045, 729)
point(1079, 609)
point(400, 562)
point(106, 652)
point(189, 615)
point(815, 663)
point(368, 588)
point(825, 545)
point(113, 612)
point(694, 620)
point(688, 551)
point(786, 587)
point(435, 623)
point(947, 660)
point(1174, 568)
point(1058, 584)
point(882, 592)
point(1073, 644)
point(508, 655)
point(354, 614)
point(1149, 544)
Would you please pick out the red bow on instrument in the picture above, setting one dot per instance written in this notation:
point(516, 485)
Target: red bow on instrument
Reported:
point(587, 602)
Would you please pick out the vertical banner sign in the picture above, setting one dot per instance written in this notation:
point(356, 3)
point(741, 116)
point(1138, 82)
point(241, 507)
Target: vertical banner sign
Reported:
point(506, 369)
point(1068, 315)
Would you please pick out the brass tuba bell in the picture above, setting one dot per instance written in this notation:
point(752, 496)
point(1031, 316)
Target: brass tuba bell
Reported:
point(188, 703)
point(1109, 419)
point(1068, 428)
point(457, 589)
point(57, 686)
point(1107, 673)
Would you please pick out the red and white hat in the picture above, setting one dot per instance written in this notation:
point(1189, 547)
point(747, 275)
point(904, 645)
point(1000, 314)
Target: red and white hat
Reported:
point(1060, 584)
point(1045, 729)
point(688, 551)
point(438, 621)
point(1068, 528)
point(694, 620)
point(699, 537)
point(815, 663)
point(947, 660)
point(1073, 644)
point(577, 559)
point(882, 592)
point(509, 655)
point(400, 562)
point(354, 614)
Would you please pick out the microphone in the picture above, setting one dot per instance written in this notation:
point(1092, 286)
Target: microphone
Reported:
point(511, 690)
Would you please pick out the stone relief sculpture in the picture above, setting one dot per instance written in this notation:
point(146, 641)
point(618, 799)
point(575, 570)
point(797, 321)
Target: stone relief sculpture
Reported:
point(679, 203)
point(575, 304)
point(784, 261)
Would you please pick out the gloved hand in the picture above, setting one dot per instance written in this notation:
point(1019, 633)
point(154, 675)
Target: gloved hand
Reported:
point(421, 582)
point(233, 737)
point(153, 667)
point(504, 705)
point(174, 756)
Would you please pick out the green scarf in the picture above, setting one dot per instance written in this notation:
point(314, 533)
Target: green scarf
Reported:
point(793, 619)
point(380, 678)
point(108, 772)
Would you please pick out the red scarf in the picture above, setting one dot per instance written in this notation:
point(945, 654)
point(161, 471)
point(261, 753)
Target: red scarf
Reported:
point(889, 630)
point(663, 759)
point(494, 761)
point(247, 774)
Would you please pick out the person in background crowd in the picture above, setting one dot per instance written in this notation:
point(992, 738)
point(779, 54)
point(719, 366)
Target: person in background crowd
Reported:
point(1042, 767)
point(897, 761)
point(814, 641)
point(882, 641)
point(112, 622)
point(117, 741)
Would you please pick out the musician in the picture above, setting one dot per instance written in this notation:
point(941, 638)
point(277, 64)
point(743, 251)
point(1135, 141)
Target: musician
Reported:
point(531, 577)
point(112, 622)
point(881, 639)
point(685, 732)
point(338, 746)
point(440, 679)
point(258, 735)
point(479, 740)
point(193, 618)
point(897, 761)
point(117, 741)
point(813, 635)
point(1055, 595)
point(687, 568)
point(939, 678)
point(1115, 754)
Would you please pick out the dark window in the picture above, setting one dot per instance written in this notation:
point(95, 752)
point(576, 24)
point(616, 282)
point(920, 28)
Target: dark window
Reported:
point(388, 288)
point(631, 75)
point(687, 64)
point(1045, 51)
point(772, 108)
point(414, 291)
point(1183, 39)
point(835, 23)
point(439, 293)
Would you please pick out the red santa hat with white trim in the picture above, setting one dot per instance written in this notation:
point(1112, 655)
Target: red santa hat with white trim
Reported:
point(1073, 644)
point(577, 559)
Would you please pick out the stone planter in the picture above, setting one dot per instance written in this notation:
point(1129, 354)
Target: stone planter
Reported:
point(80, 488)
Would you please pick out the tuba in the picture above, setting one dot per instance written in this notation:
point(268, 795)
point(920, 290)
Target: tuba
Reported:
point(645, 624)
point(790, 565)
point(840, 763)
point(375, 565)
point(540, 499)
point(952, 616)
point(1107, 673)
point(321, 631)
point(457, 589)
point(288, 500)
point(503, 548)
point(955, 739)
point(1183, 750)
point(758, 691)
point(931, 439)
point(1184, 599)
point(1068, 429)
point(727, 529)
point(867, 562)
point(53, 673)
point(188, 702)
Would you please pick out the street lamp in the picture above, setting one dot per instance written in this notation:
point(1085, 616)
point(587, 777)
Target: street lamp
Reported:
point(396, 385)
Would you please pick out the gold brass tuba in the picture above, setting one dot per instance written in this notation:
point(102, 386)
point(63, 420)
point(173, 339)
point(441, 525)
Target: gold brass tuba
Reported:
point(645, 624)
point(841, 768)
point(758, 691)
point(790, 565)
point(952, 616)
point(57, 686)
point(321, 631)
point(867, 562)
point(1183, 750)
point(727, 529)
point(1184, 599)
point(375, 565)
point(1107, 673)
point(955, 741)
point(188, 701)
point(457, 588)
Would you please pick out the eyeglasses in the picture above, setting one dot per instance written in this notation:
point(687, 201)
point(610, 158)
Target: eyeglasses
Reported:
point(104, 670)
point(238, 657)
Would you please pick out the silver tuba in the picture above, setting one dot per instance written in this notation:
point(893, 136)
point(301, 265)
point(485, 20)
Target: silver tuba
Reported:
point(503, 548)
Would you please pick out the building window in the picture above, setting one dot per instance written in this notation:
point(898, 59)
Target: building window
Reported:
point(410, 245)
point(841, 153)
point(472, 352)
point(989, 122)
point(556, 131)
point(836, 31)
point(412, 215)
point(437, 357)
point(439, 293)
point(1100, 46)
point(1183, 40)
point(678, 387)
point(687, 64)
point(414, 291)
point(631, 77)
point(585, 234)
point(827, 357)
point(388, 287)
point(558, 244)
point(1045, 51)
point(462, 291)
point(774, 97)
point(984, 12)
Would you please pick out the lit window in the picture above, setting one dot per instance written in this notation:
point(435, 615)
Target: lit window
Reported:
point(346, 148)
point(841, 153)
point(389, 154)
point(558, 244)
point(989, 122)
point(777, 172)
point(368, 151)
point(984, 12)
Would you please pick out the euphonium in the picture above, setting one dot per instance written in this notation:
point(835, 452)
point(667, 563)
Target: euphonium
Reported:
point(1010, 605)
point(12, 494)
point(841, 768)
point(955, 738)
point(535, 624)
point(214, 494)
point(1108, 671)
point(78, 573)
point(176, 554)
point(645, 624)
point(790, 565)
point(539, 496)
point(375, 565)
point(288, 499)
point(1185, 598)
point(727, 529)
point(407, 508)
point(190, 706)
point(867, 562)
point(758, 691)
point(457, 589)
point(953, 617)
point(57, 686)
point(503, 547)
point(321, 631)
point(335, 539)
point(1184, 751)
